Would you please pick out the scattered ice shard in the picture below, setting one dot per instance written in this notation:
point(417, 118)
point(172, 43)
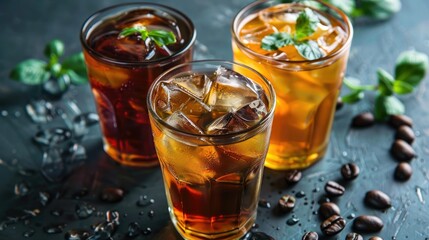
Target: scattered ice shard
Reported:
point(84, 210)
point(74, 153)
point(82, 122)
point(52, 137)
point(40, 111)
point(52, 165)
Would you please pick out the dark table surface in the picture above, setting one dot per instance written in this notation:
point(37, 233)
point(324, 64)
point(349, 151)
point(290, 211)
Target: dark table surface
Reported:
point(27, 25)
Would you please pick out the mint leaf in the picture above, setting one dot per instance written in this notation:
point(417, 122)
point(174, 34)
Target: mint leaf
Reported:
point(353, 97)
point(385, 82)
point(161, 37)
point(379, 9)
point(276, 40)
point(400, 87)
point(31, 71)
point(76, 63)
point(347, 6)
point(411, 67)
point(54, 49)
point(306, 24)
point(354, 84)
point(309, 50)
point(386, 106)
point(76, 78)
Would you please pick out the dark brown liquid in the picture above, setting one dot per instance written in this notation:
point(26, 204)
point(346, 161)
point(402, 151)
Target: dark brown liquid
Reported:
point(120, 90)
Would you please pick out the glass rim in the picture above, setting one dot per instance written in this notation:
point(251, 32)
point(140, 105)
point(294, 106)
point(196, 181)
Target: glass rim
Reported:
point(90, 21)
point(240, 44)
point(271, 97)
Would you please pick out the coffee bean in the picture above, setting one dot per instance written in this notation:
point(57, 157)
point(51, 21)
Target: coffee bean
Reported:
point(399, 120)
point(293, 176)
point(403, 171)
point(367, 223)
point(334, 189)
point(310, 236)
point(377, 199)
point(340, 104)
point(354, 236)
point(333, 225)
point(287, 203)
point(375, 238)
point(405, 133)
point(402, 151)
point(363, 120)
point(328, 209)
point(350, 171)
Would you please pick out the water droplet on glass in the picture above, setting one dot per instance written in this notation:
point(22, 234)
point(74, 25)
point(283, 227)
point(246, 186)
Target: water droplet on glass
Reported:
point(133, 229)
point(28, 233)
point(44, 198)
point(52, 165)
point(292, 221)
point(84, 210)
point(82, 122)
point(77, 234)
point(40, 111)
point(112, 195)
point(51, 137)
point(21, 189)
point(53, 229)
point(264, 203)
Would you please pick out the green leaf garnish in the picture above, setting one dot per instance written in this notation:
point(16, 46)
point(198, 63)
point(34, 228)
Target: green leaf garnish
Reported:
point(379, 9)
point(386, 106)
point(347, 6)
point(354, 84)
point(76, 63)
point(31, 71)
point(385, 82)
point(309, 50)
point(54, 49)
point(353, 97)
point(306, 24)
point(411, 67)
point(401, 88)
point(159, 37)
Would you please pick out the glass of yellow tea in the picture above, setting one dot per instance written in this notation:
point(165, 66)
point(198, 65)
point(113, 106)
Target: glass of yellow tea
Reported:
point(126, 47)
point(302, 48)
point(211, 123)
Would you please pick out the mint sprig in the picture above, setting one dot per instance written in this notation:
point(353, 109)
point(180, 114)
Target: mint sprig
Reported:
point(35, 72)
point(410, 70)
point(159, 37)
point(306, 25)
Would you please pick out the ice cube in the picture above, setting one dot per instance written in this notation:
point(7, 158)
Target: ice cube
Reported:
point(196, 85)
point(182, 122)
point(227, 123)
point(252, 112)
point(82, 122)
point(52, 136)
point(52, 165)
point(256, 34)
point(279, 15)
point(40, 111)
point(331, 39)
point(231, 90)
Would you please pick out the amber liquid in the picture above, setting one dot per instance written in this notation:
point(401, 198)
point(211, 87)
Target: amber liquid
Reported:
point(120, 90)
point(306, 96)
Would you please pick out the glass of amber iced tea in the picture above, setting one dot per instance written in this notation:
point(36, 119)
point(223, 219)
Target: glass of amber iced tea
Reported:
point(306, 68)
point(211, 123)
point(121, 66)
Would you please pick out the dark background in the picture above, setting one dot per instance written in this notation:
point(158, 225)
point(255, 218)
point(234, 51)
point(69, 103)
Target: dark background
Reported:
point(26, 26)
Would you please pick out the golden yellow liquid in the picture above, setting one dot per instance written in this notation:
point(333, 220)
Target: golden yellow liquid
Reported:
point(306, 96)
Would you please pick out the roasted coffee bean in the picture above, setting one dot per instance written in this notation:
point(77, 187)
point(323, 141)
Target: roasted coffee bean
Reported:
point(365, 119)
point(354, 236)
point(405, 133)
point(402, 151)
point(293, 176)
point(340, 104)
point(367, 223)
point(287, 203)
point(377, 199)
point(403, 171)
point(328, 209)
point(350, 171)
point(334, 189)
point(399, 120)
point(310, 236)
point(375, 238)
point(333, 225)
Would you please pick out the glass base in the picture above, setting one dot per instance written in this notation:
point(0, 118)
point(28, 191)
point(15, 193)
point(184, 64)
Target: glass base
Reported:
point(293, 161)
point(230, 235)
point(130, 159)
